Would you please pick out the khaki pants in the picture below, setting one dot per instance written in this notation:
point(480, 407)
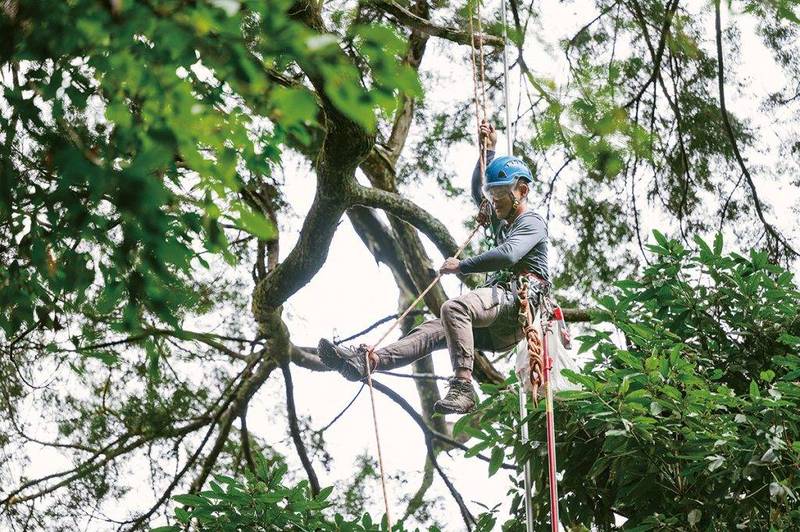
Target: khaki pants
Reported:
point(485, 318)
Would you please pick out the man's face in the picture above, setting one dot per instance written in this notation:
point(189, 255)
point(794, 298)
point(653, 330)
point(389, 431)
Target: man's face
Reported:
point(502, 198)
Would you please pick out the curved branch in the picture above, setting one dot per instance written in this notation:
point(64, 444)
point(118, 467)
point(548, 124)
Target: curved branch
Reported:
point(428, 431)
point(410, 212)
point(469, 520)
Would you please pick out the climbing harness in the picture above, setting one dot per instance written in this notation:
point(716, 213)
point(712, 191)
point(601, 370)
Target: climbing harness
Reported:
point(531, 334)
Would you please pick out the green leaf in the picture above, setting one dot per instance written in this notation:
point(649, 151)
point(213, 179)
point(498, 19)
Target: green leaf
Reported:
point(789, 339)
point(718, 244)
point(577, 378)
point(629, 359)
point(496, 460)
point(324, 493)
point(477, 448)
point(254, 222)
point(182, 515)
point(661, 239)
point(754, 393)
point(458, 426)
point(190, 499)
point(293, 106)
point(628, 284)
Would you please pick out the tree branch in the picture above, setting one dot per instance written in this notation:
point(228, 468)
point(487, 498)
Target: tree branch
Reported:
point(381, 321)
point(416, 22)
point(670, 12)
point(469, 520)
point(294, 429)
point(410, 212)
point(732, 138)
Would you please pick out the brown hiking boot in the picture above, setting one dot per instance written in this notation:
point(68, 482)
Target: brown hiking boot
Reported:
point(460, 398)
point(350, 362)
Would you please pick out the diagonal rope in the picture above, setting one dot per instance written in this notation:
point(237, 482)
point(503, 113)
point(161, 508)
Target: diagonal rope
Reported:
point(371, 351)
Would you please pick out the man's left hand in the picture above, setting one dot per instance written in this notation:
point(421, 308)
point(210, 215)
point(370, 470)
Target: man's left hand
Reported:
point(451, 265)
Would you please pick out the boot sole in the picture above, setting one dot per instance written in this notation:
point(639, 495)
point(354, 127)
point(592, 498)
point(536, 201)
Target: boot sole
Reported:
point(443, 409)
point(327, 353)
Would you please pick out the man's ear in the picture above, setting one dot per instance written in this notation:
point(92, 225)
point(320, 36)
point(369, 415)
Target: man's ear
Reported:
point(523, 188)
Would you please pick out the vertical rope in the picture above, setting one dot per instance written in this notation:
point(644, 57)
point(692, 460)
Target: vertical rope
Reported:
point(480, 108)
point(509, 132)
point(479, 92)
point(550, 427)
point(482, 61)
point(523, 413)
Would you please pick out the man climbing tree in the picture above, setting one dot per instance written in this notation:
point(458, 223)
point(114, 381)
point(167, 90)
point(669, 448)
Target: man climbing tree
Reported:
point(486, 317)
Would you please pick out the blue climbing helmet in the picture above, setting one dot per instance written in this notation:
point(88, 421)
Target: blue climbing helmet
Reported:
point(505, 171)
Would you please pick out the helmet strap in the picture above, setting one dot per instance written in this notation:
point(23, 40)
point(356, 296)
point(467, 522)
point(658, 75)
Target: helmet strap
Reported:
point(514, 204)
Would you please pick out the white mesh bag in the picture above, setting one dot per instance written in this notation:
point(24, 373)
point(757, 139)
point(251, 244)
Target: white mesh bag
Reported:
point(561, 360)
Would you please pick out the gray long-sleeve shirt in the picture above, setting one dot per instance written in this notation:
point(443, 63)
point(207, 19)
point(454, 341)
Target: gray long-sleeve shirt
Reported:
point(519, 247)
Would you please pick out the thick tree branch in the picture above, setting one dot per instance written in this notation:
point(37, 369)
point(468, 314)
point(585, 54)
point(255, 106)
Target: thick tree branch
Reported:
point(345, 145)
point(416, 22)
point(410, 212)
point(383, 246)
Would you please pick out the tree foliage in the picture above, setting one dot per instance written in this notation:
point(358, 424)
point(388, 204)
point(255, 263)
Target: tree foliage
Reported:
point(693, 424)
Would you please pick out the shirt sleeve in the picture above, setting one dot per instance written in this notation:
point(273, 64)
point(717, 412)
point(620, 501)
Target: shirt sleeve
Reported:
point(521, 240)
point(477, 180)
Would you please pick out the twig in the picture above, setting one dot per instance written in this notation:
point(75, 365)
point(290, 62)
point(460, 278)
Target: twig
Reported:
point(376, 324)
point(245, 436)
point(340, 414)
point(586, 26)
point(420, 376)
point(670, 12)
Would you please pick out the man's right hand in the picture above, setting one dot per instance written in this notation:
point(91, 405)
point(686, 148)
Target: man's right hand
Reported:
point(488, 135)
